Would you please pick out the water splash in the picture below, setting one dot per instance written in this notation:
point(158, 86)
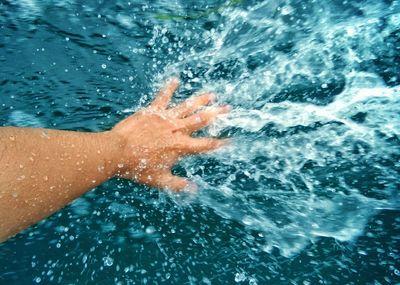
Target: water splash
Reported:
point(315, 124)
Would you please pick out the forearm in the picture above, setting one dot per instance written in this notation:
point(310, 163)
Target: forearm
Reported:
point(42, 170)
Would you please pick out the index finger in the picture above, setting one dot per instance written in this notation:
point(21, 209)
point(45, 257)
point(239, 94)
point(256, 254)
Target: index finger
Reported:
point(164, 96)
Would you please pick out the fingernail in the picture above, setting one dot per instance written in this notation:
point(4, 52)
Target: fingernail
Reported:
point(227, 108)
point(175, 80)
point(212, 97)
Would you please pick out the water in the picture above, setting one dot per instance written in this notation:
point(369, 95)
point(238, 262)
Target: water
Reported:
point(307, 193)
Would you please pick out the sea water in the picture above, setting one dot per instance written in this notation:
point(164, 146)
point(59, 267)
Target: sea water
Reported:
point(307, 192)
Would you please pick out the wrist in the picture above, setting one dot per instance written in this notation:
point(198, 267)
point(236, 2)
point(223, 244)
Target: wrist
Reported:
point(113, 145)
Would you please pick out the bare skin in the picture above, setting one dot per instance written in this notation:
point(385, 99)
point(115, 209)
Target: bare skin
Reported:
point(42, 170)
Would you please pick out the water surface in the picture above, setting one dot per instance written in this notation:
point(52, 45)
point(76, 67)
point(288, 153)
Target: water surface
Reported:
point(307, 193)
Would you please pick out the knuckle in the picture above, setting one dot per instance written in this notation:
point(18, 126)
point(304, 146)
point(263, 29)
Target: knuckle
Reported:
point(204, 98)
point(205, 116)
point(199, 118)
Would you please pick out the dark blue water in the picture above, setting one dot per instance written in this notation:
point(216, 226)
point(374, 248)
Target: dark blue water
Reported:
point(308, 191)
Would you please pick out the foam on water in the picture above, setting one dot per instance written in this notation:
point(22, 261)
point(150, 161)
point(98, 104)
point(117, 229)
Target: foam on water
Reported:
point(315, 125)
point(22, 119)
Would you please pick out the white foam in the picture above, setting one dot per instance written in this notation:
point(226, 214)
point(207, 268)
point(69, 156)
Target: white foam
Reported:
point(287, 194)
point(21, 119)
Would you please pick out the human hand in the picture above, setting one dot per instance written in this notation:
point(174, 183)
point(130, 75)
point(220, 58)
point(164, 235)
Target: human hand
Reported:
point(156, 137)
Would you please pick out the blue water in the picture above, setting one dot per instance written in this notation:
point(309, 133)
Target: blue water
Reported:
point(308, 191)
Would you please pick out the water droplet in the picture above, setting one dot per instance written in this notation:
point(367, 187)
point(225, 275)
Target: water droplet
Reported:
point(164, 40)
point(240, 277)
point(286, 10)
point(351, 31)
point(253, 281)
point(150, 230)
point(45, 134)
point(22, 177)
point(108, 261)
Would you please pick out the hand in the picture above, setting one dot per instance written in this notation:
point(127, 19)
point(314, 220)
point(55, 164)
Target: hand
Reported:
point(156, 137)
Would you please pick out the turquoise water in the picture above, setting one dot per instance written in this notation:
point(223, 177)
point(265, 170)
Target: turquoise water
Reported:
point(308, 191)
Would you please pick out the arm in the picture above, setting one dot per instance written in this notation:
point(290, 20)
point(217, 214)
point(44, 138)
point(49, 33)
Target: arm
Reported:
point(42, 170)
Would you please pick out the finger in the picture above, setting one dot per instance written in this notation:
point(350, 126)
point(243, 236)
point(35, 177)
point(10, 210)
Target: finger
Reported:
point(203, 145)
point(192, 105)
point(203, 119)
point(165, 94)
point(172, 182)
